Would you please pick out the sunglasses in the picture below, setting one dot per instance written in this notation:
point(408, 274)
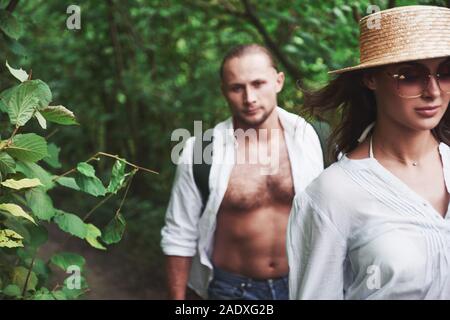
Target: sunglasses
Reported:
point(412, 80)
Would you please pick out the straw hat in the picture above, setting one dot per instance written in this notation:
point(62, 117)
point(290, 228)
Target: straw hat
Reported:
point(402, 34)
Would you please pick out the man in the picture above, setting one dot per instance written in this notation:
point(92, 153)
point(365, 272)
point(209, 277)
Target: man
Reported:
point(233, 247)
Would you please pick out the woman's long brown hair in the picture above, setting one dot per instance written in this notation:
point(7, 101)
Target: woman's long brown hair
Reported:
point(356, 106)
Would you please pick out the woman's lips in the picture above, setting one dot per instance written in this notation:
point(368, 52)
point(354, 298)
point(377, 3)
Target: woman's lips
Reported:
point(427, 111)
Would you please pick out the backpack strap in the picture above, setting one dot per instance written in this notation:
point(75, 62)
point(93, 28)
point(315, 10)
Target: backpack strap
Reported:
point(323, 131)
point(201, 171)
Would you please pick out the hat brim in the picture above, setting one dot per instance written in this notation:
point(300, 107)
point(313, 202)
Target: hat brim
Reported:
point(388, 61)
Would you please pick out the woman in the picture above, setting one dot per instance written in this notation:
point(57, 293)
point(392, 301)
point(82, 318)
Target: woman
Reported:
point(376, 224)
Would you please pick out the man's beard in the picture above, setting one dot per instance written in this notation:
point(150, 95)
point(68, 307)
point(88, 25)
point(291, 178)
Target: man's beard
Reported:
point(255, 122)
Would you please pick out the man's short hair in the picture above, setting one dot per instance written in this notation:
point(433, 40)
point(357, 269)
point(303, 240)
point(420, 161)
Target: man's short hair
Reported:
point(244, 49)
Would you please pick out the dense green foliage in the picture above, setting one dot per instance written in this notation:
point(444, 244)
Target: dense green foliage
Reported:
point(137, 70)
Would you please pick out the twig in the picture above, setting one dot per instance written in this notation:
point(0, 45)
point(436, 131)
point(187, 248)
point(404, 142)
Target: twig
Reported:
point(13, 134)
point(97, 206)
point(24, 290)
point(95, 157)
point(126, 191)
point(11, 5)
point(51, 133)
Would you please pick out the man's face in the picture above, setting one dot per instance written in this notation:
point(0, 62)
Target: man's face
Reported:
point(250, 85)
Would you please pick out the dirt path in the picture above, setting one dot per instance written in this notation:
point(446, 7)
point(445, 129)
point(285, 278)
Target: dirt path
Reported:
point(112, 274)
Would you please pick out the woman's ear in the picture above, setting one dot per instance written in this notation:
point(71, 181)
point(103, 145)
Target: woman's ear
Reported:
point(369, 80)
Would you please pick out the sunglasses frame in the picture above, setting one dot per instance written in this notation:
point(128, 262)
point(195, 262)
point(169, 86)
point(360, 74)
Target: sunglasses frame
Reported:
point(397, 77)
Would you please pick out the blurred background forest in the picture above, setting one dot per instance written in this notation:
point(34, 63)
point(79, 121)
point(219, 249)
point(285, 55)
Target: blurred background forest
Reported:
point(139, 69)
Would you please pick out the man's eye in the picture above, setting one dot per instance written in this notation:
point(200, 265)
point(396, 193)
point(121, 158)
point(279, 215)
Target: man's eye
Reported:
point(236, 89)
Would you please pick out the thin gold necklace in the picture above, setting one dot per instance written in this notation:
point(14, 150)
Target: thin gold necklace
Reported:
point(413, 163)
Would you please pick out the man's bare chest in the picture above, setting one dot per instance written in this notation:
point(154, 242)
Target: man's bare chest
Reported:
point(253, 185)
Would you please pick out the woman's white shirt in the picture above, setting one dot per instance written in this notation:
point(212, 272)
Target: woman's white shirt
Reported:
point(359, 232)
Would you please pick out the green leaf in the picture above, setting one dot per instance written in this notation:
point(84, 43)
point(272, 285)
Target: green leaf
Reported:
point(43, 294)
point(22, 183)
point(59, 114)
point(74, 293)
point(40, 268)
point(117, 177)
point(41, 120)
point(33, 170)
point(19, 276)
point(38, 236)
point(19, 74)
point(17, 225)
point(24, 99)
point(92, 186)
point(114, 230)
point(68, 183)
point(91, 237)
point(40, 203)
point(4, 98)
point(10, 239)
point(7, 164)
point(28, 147)
point(9, 25)
point(21, 105)
point(12, 290)
point(59, 295)
point(70, 223)
point(53, 156)
point(64, 260)
point(86, 169)
point(16, 211)
point(87, 181)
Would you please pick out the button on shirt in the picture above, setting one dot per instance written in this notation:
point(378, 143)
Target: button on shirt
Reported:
point(189, 232)
point(359, 232)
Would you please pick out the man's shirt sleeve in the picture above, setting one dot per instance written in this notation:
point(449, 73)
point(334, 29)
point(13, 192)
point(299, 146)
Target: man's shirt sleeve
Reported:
point(180, 232)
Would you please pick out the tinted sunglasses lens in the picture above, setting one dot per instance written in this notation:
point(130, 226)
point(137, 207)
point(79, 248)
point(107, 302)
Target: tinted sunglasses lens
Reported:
point(444, 77)
point(411, 80)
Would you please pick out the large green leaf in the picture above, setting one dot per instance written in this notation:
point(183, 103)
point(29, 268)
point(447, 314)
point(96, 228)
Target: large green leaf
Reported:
point(28, 147)
point(19, 74)
point(68, 182)
point(22, 104)
point(59, 114)
point(87, 180)
point(64, 260)
point(9, 25)
point(53, 156)
point(7, 164)
point(23, 100)
point(19, 277)
point(114, 230)
point(5, 95)
point(33, 170)
point(18, 226)
point(22, 183)
point(117, 177)
point(10, 239)
point(38, 236)
point(12, 290)
point(40, 203)
point(86, 169)
point(16, 211)
point(70, 223)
